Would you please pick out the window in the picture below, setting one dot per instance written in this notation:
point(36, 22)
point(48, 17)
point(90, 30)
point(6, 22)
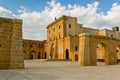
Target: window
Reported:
point(53, 29)
point(111, 35)
point(117, 51)
point(76, 48)
point(59, 35)
point(31, 46)
point(39, 46)
point(69, 25)
point(59, 26)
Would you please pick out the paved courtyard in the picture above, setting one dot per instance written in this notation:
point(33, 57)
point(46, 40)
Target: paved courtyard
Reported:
point(61, 70)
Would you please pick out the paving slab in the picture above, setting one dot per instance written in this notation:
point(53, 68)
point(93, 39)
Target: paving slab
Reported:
point(61, 70)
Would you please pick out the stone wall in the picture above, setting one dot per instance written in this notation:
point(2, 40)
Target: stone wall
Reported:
point(33, 49)
point(5, 41)
point(87, 49)
point(11, 50)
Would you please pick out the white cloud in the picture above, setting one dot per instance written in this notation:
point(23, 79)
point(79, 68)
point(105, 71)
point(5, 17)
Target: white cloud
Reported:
point(34, 26)
point(113, 16)
point(22, 9)
point(35, 22)
point(6, 13)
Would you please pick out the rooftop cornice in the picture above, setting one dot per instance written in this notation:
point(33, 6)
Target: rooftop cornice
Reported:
point(57, 20)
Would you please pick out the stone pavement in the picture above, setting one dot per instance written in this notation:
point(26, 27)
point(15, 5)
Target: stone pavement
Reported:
point(61, 70)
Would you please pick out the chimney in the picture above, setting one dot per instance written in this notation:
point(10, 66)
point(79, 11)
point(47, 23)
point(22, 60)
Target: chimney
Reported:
point(115, 28)
point(55, 18)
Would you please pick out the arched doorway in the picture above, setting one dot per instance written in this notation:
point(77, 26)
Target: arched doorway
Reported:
point(38, 55)
point(33, 54)
point(67, 53)
point(118, 54)
point(52, 51)
point(31, 57)
point(100, 54)
point(45, 55)
point(88, 53)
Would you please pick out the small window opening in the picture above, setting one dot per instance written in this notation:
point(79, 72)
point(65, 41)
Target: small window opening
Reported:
point(111, 35)
point(69, 25)
point(59, 26)
point(76, 48)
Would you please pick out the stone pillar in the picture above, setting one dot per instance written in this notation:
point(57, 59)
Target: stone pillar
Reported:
point(84, 54)
point(5, 35)
point(11, 49)
point(112, 54)
point(16, 56)
point(72, 55)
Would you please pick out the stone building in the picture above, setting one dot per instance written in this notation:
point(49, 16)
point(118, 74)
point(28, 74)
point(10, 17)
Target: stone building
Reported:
point(66, 39)
point(33, 49)
point(63, 38)
point(11, 50)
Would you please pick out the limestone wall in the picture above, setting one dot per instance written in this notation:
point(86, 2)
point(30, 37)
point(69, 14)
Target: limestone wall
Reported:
point(26, 50)
point(55, 30)
point(109, 33)
point(100, 52)
point(33, 49)
point(87, 49)
point(61, 49)
point(47, 50)
point(70, 26)
point(90, 31)
point(11, 50)
point(5, 41)
point(17, 56)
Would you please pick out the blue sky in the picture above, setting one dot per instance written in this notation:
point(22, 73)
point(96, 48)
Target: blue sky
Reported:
point(14, 5)
point(39, 5)
point(37, 14)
